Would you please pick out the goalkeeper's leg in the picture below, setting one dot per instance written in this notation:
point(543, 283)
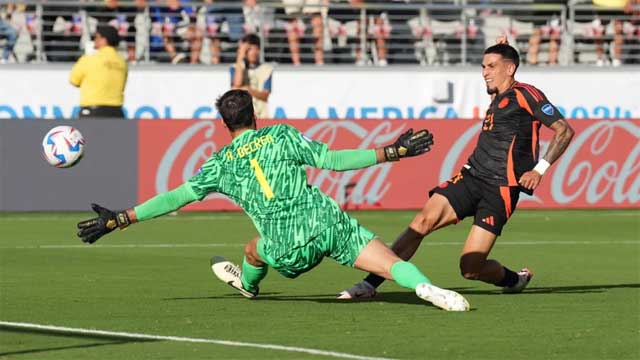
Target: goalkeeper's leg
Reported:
point(437, 213)
point(253, 268)
point(246, 278)
point(377, 258)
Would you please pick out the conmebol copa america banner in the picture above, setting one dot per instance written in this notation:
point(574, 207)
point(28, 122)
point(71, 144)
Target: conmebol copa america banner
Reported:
point(312, 93)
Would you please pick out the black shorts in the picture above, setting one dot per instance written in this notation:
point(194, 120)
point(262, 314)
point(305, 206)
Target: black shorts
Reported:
point(491, 205)
point(114, 112)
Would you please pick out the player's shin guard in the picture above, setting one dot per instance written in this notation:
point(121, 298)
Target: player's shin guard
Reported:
point(252, 275)
point(407, 275)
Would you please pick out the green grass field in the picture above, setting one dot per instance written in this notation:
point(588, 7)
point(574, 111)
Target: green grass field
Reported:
point(154, 278)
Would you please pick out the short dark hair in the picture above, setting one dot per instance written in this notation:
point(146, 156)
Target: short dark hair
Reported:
point(110, 33)
point(506, 51)
point(251, 39)
point(236, 108)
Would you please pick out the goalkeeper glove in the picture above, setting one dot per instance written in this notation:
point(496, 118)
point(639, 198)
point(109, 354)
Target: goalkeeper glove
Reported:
point(93, 229)
point(409, 144)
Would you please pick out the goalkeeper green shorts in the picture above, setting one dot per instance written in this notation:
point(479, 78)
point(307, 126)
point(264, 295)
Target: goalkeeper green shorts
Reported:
point(342, 242)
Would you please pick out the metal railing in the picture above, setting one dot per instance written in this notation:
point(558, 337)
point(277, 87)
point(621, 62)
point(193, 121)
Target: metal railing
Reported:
point(420, 32)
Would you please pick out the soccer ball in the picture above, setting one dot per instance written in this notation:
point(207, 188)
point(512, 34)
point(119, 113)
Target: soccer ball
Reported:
point(63, 146)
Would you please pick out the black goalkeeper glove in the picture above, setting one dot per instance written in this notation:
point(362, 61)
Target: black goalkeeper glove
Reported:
point(93, 229)
point(409, 144)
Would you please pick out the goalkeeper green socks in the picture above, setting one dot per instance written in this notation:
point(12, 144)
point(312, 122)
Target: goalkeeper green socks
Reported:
point(252, 275)
point(407, 275)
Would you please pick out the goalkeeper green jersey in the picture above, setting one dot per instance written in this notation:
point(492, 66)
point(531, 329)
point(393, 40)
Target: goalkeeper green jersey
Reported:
point(264, 172)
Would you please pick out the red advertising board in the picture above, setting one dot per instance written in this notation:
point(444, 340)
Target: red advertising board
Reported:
point(600, 169)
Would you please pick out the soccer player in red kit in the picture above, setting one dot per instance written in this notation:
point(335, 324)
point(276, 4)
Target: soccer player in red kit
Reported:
point(504, 163)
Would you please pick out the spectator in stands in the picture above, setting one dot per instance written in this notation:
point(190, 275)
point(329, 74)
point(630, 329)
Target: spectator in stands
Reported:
point(296, 11)
point(547, 32)
point(600, 30)
point(174, 24)
point(378, 30)
point(625, 33)
point(348, 26)
point(249, 74)
point(101, 77)
point(224, 21)
point(631, 30)
point(62, 28)
point(8, 32)
point(124, 19)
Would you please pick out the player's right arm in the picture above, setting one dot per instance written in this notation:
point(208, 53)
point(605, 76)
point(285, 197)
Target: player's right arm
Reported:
point(201, 184)
point(317, 154)
point(107, 220)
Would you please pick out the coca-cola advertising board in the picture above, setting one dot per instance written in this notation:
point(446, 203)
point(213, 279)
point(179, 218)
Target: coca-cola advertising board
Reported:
point(600, 168)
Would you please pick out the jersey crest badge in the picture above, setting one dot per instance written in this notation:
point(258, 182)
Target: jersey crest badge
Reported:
point(547, 109)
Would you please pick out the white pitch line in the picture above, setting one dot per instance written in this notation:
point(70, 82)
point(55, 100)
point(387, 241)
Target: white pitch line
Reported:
point(448, 243)
point(137, 336)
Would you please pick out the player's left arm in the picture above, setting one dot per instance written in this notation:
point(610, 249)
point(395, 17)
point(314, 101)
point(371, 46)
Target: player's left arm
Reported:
point(108, 220)
point(563, 133)
point(318, 155)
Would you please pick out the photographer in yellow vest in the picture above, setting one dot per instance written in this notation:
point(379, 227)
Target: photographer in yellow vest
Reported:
point(101, 77)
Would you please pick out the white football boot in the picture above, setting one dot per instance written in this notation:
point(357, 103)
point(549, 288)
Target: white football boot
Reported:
point(361, 290)
point(230, 274)
point(442, 298)
point(524, 276)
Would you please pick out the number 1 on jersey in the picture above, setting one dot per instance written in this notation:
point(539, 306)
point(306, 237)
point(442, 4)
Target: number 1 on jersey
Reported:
point(262, 180)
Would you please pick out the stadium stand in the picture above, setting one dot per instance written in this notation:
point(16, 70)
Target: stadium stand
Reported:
point(429, 32)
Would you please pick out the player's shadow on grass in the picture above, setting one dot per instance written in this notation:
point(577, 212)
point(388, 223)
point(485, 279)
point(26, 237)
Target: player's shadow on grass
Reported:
point(107, 340)
point(577, 289)
point(408, 297)
point(392, 297)
point(213, 297)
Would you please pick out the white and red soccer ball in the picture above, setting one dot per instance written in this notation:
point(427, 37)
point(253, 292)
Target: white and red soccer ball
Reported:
point(63, 146)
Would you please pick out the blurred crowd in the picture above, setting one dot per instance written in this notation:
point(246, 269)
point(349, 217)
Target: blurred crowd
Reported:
point(360, 32)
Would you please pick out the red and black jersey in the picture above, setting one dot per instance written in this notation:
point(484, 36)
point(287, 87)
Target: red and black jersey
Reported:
point(508, 145)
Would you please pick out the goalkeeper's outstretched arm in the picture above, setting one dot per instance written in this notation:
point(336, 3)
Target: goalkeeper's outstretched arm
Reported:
point(107, 220)
point(408, 144)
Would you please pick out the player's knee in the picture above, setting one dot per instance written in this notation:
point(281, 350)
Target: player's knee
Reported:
point(469, 271)
point(424, 223)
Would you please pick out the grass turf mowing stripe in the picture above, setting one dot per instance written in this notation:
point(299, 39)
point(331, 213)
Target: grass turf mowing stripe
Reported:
point(137, 336)
point(374, 214)
point(448, 243)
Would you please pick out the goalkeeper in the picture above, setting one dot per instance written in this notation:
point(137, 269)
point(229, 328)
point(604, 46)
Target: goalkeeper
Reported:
point(263, 171)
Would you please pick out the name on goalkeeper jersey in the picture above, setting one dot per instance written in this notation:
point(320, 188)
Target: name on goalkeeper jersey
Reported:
point(254, 145)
